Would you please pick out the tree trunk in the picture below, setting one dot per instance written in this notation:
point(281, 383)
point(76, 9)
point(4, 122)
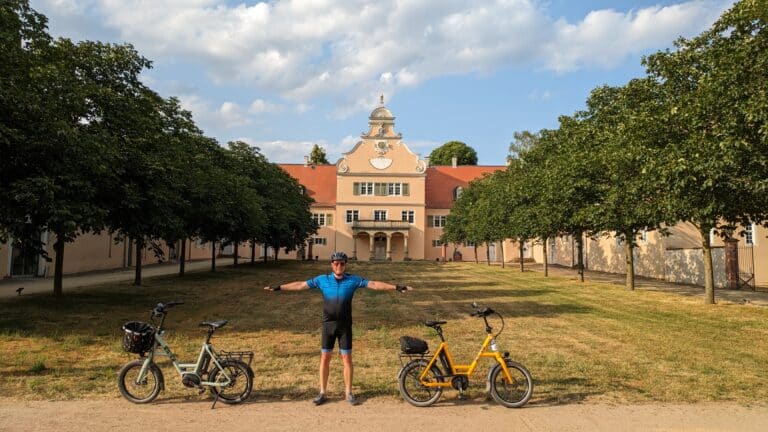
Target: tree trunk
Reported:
point(58, 277)
point(277, 250)
point(546, 258)
point(137, 272)
point(488, 253)
point(237, 243)
point(501, 243)
point(522, 266)
point(580, 255)
point(629, 251)
point(213, 256)
point(183, 260)
point(253, 252)
point(709, 281)
point(476, 261)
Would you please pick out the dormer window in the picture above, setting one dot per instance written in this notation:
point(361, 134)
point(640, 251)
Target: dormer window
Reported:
point(457, 192)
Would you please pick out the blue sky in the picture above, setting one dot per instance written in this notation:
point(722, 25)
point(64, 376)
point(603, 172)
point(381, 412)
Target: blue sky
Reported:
point(283, 75)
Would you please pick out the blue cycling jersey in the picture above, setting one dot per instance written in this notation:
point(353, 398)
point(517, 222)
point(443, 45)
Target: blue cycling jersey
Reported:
point(337, 295)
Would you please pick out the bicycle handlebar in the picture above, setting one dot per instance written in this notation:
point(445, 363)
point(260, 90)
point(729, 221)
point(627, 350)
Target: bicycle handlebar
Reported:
point(483, 313)
point(162, 308)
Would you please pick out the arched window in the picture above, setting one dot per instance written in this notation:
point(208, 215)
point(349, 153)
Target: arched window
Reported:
point(457, 192)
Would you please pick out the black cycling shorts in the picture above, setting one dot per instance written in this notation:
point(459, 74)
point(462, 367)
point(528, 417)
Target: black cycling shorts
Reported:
point(333, 330)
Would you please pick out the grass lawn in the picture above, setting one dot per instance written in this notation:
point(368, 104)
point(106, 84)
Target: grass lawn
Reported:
point(581, 342)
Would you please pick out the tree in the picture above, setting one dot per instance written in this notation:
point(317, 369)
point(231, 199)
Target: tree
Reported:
point(318, 156)
point(627, 123)
point(523, 142)
point(716, 87)
point(443, 155)
point(59, 157)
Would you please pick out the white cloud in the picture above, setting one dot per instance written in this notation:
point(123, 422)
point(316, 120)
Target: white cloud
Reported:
point(293, 151)
point(260, 106)
point(539, 95)
point(604, 38)
point(303, 50)
point(226, 116)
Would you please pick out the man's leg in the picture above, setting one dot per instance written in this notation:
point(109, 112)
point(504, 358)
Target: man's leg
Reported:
point(348, 369)
point(345, 348)
point(325, 362)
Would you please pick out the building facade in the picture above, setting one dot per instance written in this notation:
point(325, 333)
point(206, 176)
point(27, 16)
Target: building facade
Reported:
point(383, 202)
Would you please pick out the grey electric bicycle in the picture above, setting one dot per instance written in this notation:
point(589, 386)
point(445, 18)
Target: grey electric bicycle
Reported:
point(227, 374)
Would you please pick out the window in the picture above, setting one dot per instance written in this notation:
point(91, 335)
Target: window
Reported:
point(619, 241)
point(408, 216)
point(362, 188)
point(320, 241)
point(322, 219)
point(749, 237)
point(353, 215)
point(394, 189)
point(437, 243)
point(436, 221)
point(469, 244)
point(381, 189)
point(644, 236)
point(379, 215)
point(457, 192)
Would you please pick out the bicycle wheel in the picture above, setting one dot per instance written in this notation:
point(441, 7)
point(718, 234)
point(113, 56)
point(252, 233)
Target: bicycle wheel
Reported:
point(240, 385)
point(137, 390)
point(511, 394)
point(413, 391)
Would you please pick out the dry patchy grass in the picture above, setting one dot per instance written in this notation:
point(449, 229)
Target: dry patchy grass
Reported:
point(590, 341)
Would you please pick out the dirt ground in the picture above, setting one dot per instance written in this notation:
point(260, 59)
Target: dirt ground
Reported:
point(380, 414)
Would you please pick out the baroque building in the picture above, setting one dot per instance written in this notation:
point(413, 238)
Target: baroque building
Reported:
point(381, 201)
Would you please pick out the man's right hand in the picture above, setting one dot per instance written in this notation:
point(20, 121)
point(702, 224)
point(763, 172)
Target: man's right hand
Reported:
point(272, 288)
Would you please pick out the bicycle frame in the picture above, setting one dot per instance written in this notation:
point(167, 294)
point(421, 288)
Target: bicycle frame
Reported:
point(206, 353)
point(457, 370)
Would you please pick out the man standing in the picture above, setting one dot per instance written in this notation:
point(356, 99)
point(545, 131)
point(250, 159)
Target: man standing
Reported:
point(338, 288)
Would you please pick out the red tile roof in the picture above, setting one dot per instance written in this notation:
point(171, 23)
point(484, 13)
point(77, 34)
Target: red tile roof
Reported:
point(442, 180)
point(319, 181)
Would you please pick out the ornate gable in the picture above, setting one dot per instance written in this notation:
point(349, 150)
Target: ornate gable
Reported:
point(381, 149)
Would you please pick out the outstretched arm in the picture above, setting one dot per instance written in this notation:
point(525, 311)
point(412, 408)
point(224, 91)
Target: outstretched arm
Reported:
point(377, 285)
point(290, 286)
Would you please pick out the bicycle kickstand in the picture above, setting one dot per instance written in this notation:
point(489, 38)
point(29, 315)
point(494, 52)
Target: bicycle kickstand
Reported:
point(215, 399)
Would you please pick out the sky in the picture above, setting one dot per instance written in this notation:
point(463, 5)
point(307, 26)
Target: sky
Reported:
point(284, 75)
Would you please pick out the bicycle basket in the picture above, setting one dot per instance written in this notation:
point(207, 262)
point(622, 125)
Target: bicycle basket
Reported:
point(412, 345)
point(138, 337)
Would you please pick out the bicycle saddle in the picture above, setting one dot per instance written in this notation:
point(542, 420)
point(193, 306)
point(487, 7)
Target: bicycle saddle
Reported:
point(434, 323)
point(214, 324)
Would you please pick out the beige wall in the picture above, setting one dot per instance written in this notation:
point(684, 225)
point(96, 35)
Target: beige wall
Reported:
point(93, 252)
point(5, 261)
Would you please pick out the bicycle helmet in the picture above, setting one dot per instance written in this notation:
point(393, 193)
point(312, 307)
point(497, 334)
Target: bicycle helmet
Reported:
point(339, 256)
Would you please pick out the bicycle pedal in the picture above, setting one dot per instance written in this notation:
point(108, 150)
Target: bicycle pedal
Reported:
point(201, 390)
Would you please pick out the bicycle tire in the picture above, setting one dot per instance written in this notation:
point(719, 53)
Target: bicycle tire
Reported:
point(413, 391)
point(129, 386)
point(511, 395)
point(240, 374)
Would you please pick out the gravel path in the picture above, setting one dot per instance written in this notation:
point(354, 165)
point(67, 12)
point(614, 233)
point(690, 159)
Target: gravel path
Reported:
point(379, 414)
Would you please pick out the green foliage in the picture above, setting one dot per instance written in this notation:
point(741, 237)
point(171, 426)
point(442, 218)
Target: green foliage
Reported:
point(443, 155)
point(716, 90)
point(524, 141)
point(318, 156)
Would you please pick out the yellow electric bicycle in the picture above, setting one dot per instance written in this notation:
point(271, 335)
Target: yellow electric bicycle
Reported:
point(422, 379)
